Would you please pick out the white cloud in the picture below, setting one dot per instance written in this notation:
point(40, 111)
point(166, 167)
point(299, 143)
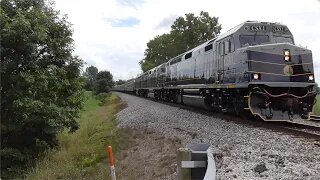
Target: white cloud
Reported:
point(119, 49)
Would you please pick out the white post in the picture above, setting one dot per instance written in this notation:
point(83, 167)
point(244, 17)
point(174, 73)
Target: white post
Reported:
point(113, 172)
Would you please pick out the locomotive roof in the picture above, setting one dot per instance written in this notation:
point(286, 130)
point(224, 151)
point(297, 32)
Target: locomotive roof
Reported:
point(237, 29)
point(242, 25)
point(228, 33)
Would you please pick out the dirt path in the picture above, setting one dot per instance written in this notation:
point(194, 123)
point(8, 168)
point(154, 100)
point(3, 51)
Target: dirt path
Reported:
point(147, 155)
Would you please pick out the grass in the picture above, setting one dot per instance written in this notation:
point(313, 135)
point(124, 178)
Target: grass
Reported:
point(82, 155)
point(316, 108)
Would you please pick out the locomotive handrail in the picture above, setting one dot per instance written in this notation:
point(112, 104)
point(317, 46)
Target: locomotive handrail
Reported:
point(279, 74)
point(278, 63)
point(288, 94)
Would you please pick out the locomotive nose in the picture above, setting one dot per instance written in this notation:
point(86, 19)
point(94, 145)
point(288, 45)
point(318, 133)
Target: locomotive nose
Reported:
point(281, 80)
point(280, 63)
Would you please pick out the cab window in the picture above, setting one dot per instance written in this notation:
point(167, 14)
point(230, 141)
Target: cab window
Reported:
point(251, 40)
point(280, 39)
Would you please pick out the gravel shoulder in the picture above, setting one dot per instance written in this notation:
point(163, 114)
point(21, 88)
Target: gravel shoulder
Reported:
point(241, 152)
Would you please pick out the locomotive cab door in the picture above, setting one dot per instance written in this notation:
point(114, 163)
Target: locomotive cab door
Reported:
point(209, 61)
point(220, 64)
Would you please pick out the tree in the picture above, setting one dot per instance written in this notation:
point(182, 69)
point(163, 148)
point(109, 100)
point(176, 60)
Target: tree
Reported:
point(159, 50)
point(191, 31)
point(186, 33)
point(119, 82)
point(104, 82)
point(41, 87)
point(91, 77)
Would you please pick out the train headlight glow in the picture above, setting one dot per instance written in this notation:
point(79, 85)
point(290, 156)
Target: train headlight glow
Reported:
point(311, 78)
point(286, 54)
point(256, 76)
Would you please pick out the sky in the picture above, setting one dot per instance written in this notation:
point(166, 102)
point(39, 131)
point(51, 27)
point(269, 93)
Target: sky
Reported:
point(112, 34)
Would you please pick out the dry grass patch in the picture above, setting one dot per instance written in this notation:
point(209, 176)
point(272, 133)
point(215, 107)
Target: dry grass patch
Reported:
point(82, 155)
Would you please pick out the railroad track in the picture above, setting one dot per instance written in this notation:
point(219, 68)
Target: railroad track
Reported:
point(300, 129)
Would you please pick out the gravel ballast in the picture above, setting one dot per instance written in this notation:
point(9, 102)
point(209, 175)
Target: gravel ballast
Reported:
point(241, 152)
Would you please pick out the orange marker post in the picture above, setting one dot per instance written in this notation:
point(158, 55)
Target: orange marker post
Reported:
point(111, 163)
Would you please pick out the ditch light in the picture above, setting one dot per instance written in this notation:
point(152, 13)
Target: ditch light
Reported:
point(311, 77)
point(256, 76)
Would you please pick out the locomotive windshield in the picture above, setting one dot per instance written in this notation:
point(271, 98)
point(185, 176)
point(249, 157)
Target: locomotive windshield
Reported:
point(250, 40)
point(280, 39)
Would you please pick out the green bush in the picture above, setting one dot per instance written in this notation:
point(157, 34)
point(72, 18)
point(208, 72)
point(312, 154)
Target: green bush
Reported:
point(102, 97)
point(104, 82)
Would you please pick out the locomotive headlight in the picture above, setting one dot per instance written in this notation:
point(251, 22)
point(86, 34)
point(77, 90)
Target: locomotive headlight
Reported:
point(286, 54)
point(256, 76)
point(311, 78)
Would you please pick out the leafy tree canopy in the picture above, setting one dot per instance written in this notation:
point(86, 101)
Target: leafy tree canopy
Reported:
point(41, 87)
point(119, 82)
point(186, 33)
point(91, 76)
